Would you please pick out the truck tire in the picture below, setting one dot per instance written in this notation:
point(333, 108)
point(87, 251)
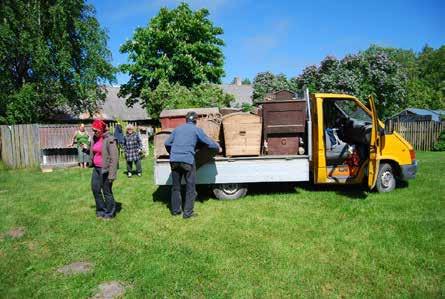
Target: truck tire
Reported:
point(229, 191)
point(386, 180)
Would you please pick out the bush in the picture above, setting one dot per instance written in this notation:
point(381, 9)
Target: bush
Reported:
point(440, 144)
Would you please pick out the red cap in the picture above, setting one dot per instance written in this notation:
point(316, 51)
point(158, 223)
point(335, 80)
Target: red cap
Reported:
point(99, 125)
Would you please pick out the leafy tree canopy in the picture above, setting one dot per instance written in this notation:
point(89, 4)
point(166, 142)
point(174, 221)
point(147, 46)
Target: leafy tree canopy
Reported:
point(246, 81)
point(175, 96)
point(372, 72)
point(53, 56)
point(397, 78)
point(267, 82)
point(179, 46)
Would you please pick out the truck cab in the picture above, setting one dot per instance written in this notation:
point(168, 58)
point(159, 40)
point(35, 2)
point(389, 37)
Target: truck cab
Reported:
point(351, 146)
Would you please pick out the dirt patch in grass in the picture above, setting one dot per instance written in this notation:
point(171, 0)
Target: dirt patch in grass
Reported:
point(76, 268)
point(14, 233)
point(109, 290)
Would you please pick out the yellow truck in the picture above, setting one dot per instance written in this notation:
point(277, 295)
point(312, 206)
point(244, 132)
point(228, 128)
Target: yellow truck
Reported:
point(345, 143)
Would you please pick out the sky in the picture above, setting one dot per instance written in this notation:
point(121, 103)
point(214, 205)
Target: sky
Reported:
point(286, 36)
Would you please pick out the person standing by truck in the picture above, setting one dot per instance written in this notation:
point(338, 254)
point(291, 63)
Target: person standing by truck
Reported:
point(181, 146)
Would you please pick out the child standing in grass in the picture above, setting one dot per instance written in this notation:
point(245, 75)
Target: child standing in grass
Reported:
point(133, 149)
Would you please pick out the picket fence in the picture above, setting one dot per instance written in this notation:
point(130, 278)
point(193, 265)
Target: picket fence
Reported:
point(20, 145)
point(422, 134)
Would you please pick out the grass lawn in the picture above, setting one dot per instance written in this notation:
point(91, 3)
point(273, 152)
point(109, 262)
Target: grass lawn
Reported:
point(276, 242)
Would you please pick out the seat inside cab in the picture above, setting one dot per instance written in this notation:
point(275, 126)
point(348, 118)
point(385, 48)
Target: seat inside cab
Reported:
point(347, 132)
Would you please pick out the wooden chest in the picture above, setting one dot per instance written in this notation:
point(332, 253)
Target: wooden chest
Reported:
point(159, 140)
point(242, 134)
point(283, 144)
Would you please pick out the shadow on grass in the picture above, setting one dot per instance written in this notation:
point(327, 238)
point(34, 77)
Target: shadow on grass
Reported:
point(118, 207)
point(163, 193)
point(272, 188)
point(402, 184)
point(355, 192)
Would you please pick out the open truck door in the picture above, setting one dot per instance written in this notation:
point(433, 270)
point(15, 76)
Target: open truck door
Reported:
point(374, 146)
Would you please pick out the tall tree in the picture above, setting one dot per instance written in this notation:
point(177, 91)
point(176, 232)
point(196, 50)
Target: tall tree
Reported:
point(53, 56)
point(179, 45)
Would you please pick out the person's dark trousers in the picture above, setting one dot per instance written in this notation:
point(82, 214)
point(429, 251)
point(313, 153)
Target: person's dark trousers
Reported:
point(103, 193)
point(188, 172)
point(138, 166)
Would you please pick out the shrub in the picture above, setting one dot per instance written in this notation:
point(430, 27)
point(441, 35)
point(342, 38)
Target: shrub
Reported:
point(440, 144)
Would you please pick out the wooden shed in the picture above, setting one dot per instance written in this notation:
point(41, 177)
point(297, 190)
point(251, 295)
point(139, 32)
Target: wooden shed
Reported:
point(54, 141)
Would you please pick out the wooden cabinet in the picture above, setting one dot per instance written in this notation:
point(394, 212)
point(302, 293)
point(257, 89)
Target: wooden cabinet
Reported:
point(284, 124)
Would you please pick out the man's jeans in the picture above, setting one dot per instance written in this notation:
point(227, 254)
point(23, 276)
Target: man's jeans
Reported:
point(138, 166)
point(103, 193)
point(188, 172)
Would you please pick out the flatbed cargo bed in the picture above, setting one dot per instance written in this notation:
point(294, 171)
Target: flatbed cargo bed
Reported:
point(225, 170)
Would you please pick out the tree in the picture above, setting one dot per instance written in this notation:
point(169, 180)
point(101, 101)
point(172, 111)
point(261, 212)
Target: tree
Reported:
point(176, 96)
point(371, 72)
point(246, 81)
point(431, 64)
point(180, 46)
point(266, 82)
point(53, 56)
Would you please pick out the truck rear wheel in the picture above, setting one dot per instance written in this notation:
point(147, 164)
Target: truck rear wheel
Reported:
point(386, 180)
point(229, 191)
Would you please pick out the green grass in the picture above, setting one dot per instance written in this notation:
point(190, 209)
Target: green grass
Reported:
point(276, 242)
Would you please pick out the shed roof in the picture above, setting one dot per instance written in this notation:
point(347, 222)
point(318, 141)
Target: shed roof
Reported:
point(183, 112)
point(420, 111)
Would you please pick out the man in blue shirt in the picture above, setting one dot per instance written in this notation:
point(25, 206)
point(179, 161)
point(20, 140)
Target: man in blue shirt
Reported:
point(181, 145)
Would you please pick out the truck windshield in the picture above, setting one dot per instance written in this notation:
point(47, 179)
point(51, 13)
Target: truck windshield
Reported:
point(352, 110)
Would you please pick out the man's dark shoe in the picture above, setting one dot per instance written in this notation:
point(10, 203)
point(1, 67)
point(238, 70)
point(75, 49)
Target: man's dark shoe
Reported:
point(100, 214)
point(108, 216)
point(176, 214)
point(190, 216)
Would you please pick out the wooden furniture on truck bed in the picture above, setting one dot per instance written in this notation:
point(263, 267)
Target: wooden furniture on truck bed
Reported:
point(242, 134)
point(283, 126)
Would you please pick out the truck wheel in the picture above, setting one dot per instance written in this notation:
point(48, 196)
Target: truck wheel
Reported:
point(229, 191)
point(386, 180)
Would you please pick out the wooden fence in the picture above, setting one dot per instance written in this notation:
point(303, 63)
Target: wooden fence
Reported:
point(20, 145)
point(23, 146)
point(422, 134)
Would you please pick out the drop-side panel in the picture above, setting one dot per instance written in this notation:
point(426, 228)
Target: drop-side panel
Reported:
point(246, 170)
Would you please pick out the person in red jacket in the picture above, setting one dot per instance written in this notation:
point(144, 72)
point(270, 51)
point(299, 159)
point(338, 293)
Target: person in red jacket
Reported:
point(105, 162)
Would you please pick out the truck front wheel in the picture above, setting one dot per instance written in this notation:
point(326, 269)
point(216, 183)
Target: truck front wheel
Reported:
point(229, 191)
point(386, 180)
